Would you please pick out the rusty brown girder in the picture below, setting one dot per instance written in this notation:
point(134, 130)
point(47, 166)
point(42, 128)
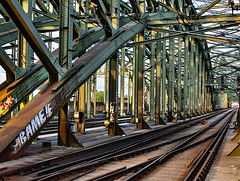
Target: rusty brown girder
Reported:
point(21, 130)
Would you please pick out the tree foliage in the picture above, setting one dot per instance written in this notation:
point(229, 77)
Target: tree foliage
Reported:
point(100, 96)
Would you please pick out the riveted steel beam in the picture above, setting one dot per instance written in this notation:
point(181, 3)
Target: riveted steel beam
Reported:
point(122, 82)
point(4, 14)
point(164, 77)
point(11, 69)
point(158, 119)
point(144, 42)
point(41, 6)
point(141, 124)
point(171, 81)
point(207, 8)
point(37, 75)
point(186, 80)
point(179, 80)
point(48, 103)
point(103, 12)
point(52, 16)
point(153, 20)
point(152, 79)
point(135, 7)
point(113, 128)
point(28, 30)
point(182, 34)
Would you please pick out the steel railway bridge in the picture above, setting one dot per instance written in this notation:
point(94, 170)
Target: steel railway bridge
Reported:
point(180, 57)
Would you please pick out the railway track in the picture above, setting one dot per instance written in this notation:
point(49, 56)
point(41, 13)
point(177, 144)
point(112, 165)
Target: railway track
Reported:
point(188, 160)
point(86, 160)
point(52, 126)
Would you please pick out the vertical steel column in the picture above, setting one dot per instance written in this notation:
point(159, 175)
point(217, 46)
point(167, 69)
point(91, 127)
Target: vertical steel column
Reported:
point(207, 98)
point(115, 14)
point(152, 72)
point(196, 78)
point(106, 90)
point(164, 59)
point(62, 125)
point(203, 87)
point(65, 135)
point(81, 122)
point(134, 82)
point(141, 124)
point(191, 78)
point(89, 98)
point(158, 119)
point(179, 79)
point(185, 95)
point(200, 84)
point(24, 49)
point(129, 93)
point(66, 34)
point(122, 82)
point(83, 24)
point(113, 127)
point(171, 81)
point(94, 97)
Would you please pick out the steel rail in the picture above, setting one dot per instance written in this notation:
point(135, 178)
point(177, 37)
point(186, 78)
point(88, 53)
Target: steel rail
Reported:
point(52, 161)
point(166, 156)
point(117, 174)
point(106, 158)
point(202, 167)
point(148, 136)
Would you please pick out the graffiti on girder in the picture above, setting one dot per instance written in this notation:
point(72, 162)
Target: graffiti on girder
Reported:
point(5, 105)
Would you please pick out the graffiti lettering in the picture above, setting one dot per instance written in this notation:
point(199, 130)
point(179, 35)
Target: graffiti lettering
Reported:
point(32, 127)
point(5, 105)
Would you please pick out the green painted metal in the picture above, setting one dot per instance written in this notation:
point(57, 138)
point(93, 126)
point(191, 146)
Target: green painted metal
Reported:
point(191, 77)
point(164, 77)
point(122, 82)
point(179, 80)
point(152, 78)
point(196, 79)
point(186, 81)
point(10, 67)
point(204, 63)
point(171, 81)
point(28, 30)
point(37, 75)
point(56, 95)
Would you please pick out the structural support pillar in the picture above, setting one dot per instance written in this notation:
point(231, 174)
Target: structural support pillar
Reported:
point(185, 94)
point(88, 101)
point(171, 81)
point(24, 49)
point(129, 94)
point(134, 82)
point(106, 90)
point(164, 59)
point(196, 80)
point(65, 135)
point(191, 78)
point(113, 127)
point(152, 72)
point(122, 83)
point(66, 34)
point(200, 84)
point(158, 119)
point(80, 122)
point(179, 81)
point(94, 97)
point(141, 124)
